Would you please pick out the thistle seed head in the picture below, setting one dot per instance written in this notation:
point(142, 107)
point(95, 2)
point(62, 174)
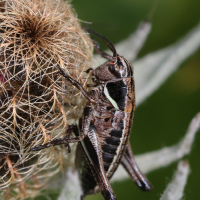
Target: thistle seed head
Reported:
point(36, 102)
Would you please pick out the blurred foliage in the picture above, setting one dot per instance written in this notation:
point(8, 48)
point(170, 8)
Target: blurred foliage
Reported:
point(162, 119)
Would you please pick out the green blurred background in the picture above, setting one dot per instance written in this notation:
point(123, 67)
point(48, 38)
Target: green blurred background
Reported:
point(163, 118)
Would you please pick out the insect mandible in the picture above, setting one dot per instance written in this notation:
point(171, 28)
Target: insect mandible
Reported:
point(104, 129)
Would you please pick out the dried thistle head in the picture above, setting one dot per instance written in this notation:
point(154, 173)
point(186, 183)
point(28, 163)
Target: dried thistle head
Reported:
point(36, 102)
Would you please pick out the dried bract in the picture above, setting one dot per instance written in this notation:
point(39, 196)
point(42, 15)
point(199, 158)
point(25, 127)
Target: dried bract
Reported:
point(37, 36)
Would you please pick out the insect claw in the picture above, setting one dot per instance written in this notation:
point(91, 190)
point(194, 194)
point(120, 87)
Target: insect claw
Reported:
point(69, 148)
point(40, 147)
point(35, 148)
point(88, 70)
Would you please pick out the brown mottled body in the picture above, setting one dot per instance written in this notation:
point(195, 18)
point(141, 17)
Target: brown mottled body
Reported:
point(113, 129)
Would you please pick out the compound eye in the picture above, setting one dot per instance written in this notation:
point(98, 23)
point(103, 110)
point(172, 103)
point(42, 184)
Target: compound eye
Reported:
point(114, 69)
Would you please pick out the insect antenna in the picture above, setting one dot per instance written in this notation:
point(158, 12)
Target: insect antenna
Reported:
point(106, 41)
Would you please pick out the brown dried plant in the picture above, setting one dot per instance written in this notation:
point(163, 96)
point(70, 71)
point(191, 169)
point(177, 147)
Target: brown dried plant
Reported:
point(36, 103)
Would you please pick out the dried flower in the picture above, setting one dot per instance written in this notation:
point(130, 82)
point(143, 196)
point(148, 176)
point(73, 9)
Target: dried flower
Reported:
point(36, 103)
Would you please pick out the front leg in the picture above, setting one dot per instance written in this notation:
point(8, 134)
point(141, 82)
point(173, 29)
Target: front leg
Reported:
point(77, 85)
point(99, 51)
point(66, 140)
point(107, 42)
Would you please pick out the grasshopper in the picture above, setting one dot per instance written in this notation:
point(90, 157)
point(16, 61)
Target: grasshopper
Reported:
point(104, 129)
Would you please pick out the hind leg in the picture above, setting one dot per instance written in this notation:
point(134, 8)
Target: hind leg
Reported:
point(131, 167)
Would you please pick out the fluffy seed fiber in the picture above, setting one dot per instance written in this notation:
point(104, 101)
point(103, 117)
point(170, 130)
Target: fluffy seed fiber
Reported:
point(36, 103)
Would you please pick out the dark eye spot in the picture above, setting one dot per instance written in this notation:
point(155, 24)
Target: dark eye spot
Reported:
point(106, 119)
point(109, 108)
point(109, 149)
point(113, 141)
point(108, 158)
point(116, 133)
